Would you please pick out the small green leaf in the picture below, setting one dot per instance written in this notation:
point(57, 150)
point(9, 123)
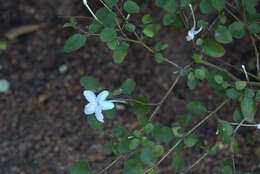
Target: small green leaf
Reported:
point(196, 108)
point(123, 146)
point(227, 170)
point(133, 167)
point(249, 93)
point(222, 18)
point(233, 147)
point(168, 5)
point(177, 163)
point(130, 27)
point(212, 81)
point(158, 57)
point(205, 6)
point(222, 35)
point(147, 156)
point(94, 123)
point(168, 19)
point(232, 93)
point(254, 28)
point(107, 17)
point(159, 46)
point(108, 34)
point(120, 131)
point(74, 43)
point(128, 86)
point(186, 119)
point(213, 150)
point(162, 133)
point(225, 129)
point(108, 149)
point(218, 79)
point(148, 128)
point(218, 4)
point(80, 167)
point(131, 7)
point(134, 143)
point(213, 49)
point(237, 30)
point(146, 19)
point(90, 83)
point(196, 57)
point(157, 150)
point(140, 109)
point(237, 115)
point(111, 3)
point(257, 96)
point(250, 139)
point(120, 53)
point(240, 85)
point(248, 108)
point(201, 73)
point(94, 27)
point(3, 46)
point(151, 29)
point(192, 84)
point(191, 140)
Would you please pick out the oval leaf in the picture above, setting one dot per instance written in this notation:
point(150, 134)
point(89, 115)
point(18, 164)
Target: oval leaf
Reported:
point(75, 42)
point(213, 49)
point(196, 108)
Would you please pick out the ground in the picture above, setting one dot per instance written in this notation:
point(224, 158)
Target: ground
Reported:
point(42, 125)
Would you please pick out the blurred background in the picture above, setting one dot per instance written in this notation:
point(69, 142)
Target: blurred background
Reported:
point(42, 125)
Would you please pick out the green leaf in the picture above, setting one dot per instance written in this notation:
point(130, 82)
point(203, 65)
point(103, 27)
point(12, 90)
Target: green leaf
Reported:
point(120, 53)
point(111, 3)
point(3, 46)
point(108, 34)
point(157, 150)
point(218, 79)
point(146, 19)
point(162, 133)
point(94, 27)
point(250, 139)
point(131, 7)
point(254, 28)
point(240, 85)
point(237, 115)
point(248, 108)
point(213, 150)
point(186, 119)
point(192, 84)
point(233, 147)
point(232, 93)
point(237, 30)
point(257, 96)
point(120, 131)
point(94, 123)
point(80, 167)
point(108, 149)
point(158, 57)
point(177, 163)
point(159, 46)
point(222, 18)
point(213, 49)
point(227, 170)
point(107, 17)
point(168, 5)
point(75, 42)
point(151, 29)
point(201, 73)
point(147, 156)
point(168, 19)
point(133, 167)
point(123, 146)
point(140, 109)
point(196, 108)
point(222, 35)
point(250, 5)
point(196, 57)
point(212, 81)
point(205, 6)
point(147, 143)
point(134, 143)
point(90, 83)
point(249, 93)
point(128, 86)
point(130, 27)
point(148, 128)
point(218, 4)
point(191, 140)
point(225, 129)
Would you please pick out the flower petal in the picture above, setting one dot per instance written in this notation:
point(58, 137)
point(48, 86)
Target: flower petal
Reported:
point(102, 95)
point(106, 105)
point(99, 115)
point(90, 96)
point(90, 108)
point(196, 32)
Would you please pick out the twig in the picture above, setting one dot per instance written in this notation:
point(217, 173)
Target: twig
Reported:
point(256, 53)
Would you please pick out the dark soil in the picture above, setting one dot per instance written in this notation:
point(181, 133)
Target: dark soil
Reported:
point(42, 125)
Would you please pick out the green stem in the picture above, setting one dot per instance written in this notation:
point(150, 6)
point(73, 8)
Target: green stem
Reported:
point(197, 162)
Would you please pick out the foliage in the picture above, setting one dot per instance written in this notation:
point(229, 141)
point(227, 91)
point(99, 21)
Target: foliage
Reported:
point(119, 25)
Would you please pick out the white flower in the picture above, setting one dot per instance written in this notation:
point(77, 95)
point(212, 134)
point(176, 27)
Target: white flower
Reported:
point(258, 126)
point(97, 104)
point(192, 32)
